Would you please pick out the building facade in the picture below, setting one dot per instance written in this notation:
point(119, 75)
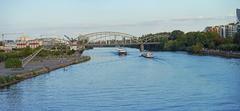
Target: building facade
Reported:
point(212, 29)
point(34, 43)
point(231, 30)
point(238, 27)
point(228, 30)
point(224, 30)
point(238, 15)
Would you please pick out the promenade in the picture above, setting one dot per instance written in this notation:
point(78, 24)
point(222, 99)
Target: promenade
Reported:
point(38, 63)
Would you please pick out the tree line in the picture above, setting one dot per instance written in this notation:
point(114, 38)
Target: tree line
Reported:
point(194, 41)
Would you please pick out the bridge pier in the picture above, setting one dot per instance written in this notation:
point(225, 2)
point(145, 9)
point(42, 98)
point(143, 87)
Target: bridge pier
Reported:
point(141, 47)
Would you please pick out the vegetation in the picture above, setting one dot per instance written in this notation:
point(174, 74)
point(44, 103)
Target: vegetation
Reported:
point(194, 41)
point(58, 50)
point(13, 63)
point(197, 48)
point(17, 53)
point(7, 79)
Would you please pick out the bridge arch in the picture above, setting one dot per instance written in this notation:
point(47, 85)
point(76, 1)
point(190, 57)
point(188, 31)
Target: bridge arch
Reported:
point(91, 38)
point(107, 34)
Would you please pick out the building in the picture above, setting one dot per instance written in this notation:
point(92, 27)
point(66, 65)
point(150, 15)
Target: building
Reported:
point(238, 27)
point(9, 45)
point(212, 29)
point(24, 38)
point(34, 43)
point(21, 44)
point(48, 42)
point(24, 42)
point(74, 45)
point(1, 48)
point(228, 30)
point(238, 15)
point(222, 31)
point(231, 30)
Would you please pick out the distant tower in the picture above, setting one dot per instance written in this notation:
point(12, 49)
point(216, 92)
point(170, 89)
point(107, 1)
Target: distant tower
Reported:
point(238, 20)
point(238, 15)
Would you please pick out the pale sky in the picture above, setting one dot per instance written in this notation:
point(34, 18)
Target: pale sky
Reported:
point(135, 17)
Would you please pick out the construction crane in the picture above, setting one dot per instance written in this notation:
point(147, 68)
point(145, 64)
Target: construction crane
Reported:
point(70, 39)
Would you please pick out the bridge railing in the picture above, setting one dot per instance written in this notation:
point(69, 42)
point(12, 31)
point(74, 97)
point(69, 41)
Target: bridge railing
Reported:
point(26, 60)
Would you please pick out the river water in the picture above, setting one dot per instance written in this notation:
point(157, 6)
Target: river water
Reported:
point(172, 81)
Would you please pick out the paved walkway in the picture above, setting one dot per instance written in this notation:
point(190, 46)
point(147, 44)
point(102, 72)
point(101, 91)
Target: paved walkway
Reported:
point(34, 64)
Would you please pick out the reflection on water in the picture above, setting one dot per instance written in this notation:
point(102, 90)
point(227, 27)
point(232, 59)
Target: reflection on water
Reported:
point(170, 81)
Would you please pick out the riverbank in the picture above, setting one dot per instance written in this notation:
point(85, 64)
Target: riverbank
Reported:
point(37, 67)
point(210, 52)
point(227, 54)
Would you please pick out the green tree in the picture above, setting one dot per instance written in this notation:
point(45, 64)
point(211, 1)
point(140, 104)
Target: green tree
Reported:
point(162, 41)
point(13, 63)
point(197, 48)
point(176, 34)
point(170, 45)
point(215, 37)
point(229, 47)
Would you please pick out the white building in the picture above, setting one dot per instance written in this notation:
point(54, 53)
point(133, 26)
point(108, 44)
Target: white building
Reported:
point(231, 30)
point(10, 45)
point(228, 30)
point(222, 31)
point(74, 45)
point(34, 43)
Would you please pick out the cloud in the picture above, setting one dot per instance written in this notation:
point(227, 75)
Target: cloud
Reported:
point(169, 21)
point(150, 26)
point(201, 18)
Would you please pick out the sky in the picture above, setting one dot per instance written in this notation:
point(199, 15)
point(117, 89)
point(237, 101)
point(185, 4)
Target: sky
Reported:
point(136, 17)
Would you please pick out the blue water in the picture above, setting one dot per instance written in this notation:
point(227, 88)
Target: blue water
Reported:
point(172, 81)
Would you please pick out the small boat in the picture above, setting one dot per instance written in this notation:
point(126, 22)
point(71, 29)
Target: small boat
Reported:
point(147, 55)
point(122, 52)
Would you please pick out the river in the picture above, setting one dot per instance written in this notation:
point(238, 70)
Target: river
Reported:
point(172, 81)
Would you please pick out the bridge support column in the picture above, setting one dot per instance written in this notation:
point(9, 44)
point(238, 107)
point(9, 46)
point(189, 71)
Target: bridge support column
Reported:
point(141, 47)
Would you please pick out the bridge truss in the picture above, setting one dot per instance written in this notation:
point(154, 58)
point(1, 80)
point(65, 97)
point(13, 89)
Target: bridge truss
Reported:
point(114, 38)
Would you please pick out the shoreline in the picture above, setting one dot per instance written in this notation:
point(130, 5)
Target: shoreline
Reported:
point(219, 53)
point(204, 52)
point(43, 70)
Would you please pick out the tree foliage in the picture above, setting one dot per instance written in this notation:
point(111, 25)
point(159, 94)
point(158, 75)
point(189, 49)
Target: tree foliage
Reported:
point(197, 48)
point(13, 63)
point(195, 41)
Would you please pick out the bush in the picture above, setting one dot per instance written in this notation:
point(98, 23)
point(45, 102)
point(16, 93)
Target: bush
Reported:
point(13, 63)
point(229, 47)
point(197, 48)
point(71, 52)
point(170, 45)
point(7, 79)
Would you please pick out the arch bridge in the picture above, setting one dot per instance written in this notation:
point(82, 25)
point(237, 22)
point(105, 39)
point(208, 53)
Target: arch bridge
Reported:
point(104, 39)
